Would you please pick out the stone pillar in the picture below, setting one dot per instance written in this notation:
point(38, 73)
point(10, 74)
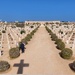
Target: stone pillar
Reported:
point(8, 41)
point(73, 47)
point(0, 53)
point(67, 41)
point(1, 40)
point(63, 36)
point(69, 38)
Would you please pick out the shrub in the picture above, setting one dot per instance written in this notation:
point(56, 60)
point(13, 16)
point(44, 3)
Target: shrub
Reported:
point(13, 26)
point(72, 66)
point(29, 35)
point(0, 34)
point(4, 65)
point(22, 31)
point(66, 53)
point(32, 33)
point(57, 41)
point(50, 33)
point(54, 37)
point(3, 31)
point(27, 38)
point(60, 45)
point(24, 40)
point(48, 29)
point(14, 53)
point(61, 32)
point(31, 26)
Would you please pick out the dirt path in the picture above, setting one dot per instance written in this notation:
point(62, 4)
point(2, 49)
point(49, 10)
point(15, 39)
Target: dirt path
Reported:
point(42, 57)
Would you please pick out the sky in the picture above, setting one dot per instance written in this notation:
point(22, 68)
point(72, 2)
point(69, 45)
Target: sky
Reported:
point(44, 10)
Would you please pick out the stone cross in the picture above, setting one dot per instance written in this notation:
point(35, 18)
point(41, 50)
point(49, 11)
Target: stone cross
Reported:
point(0, 52)
point(8, 41)
point(21, 65)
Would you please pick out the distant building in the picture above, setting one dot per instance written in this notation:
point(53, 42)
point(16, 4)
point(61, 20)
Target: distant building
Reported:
point(16, 21)
point(42, 22)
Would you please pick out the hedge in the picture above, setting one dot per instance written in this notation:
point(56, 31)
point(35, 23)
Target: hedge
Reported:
point(66, 53)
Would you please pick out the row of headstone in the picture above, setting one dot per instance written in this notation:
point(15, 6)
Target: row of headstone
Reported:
point(65, 36)
point(12, 36)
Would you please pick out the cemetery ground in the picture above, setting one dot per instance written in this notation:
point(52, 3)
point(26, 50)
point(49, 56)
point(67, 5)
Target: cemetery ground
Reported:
point(41, 57)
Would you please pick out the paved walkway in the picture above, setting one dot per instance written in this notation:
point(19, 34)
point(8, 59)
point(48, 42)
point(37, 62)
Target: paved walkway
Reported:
point(42, 56)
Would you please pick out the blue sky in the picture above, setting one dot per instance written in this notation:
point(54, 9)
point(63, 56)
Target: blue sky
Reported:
point(21, 10)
